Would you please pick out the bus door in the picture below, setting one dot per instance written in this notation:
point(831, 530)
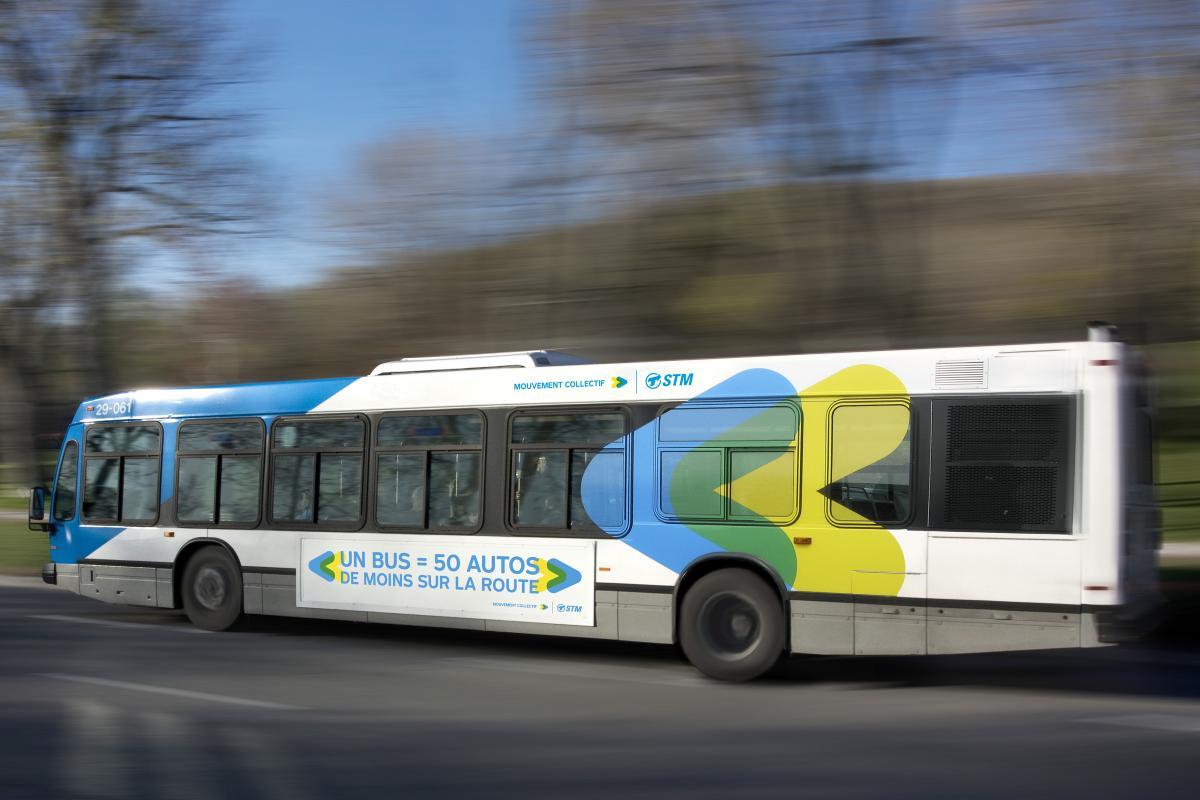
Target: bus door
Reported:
point(872, 499)
point(63, 514)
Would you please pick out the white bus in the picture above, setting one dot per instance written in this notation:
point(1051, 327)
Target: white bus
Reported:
point(908, 502)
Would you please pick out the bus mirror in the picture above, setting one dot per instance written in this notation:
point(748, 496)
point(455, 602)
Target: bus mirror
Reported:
point(37, 509)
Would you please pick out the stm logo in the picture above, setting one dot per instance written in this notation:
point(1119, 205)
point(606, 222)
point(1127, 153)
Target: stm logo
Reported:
point(325, 566)
point(655, 380)
point(555, 575)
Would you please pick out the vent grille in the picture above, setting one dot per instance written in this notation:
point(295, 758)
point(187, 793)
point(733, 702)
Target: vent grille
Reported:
point(960, 374)
point(1004, 464)
point(995, 432)
point(1002, 496)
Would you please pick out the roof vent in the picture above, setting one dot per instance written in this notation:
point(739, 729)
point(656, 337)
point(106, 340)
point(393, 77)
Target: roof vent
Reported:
point(517, 360)
point(960, 374)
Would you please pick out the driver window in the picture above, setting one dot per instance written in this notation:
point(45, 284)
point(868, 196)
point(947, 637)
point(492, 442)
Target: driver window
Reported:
point(65, 486)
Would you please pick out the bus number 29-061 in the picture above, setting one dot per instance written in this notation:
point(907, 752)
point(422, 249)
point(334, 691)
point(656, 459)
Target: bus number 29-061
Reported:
point(114, 408)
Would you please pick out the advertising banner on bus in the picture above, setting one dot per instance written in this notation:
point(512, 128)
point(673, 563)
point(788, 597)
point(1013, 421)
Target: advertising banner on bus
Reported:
point(524, 581)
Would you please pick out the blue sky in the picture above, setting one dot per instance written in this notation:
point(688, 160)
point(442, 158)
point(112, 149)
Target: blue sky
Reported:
point(336, 77)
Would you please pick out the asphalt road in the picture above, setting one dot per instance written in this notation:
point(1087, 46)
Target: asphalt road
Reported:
point(109, 702)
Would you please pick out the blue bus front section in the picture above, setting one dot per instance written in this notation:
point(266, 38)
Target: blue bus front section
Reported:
point(72, 541)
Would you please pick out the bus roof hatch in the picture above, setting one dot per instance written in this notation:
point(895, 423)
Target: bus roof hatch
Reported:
point(515, 360)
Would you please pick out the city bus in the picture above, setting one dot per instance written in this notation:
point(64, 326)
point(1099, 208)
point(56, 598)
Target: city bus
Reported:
point(932, 501)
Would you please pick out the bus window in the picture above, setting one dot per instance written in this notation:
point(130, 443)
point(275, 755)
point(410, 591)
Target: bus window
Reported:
point(120, 473)
point(219, 472)
point(742, 464)
point(568, 470)
point(1002, 464)
point(694, 477)
point(540, 488)
point(598, 489)
point(870, 460)
point(65, 486)
point(429, 471)
point(705, 423)
point(317, 469)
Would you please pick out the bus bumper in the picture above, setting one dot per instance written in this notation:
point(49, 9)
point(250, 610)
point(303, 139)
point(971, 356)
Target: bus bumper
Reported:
point(50, 573)
point(1129, 622)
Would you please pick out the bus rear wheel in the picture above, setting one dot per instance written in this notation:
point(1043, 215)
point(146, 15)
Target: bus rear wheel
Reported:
point(731, 625)
point(212, 590)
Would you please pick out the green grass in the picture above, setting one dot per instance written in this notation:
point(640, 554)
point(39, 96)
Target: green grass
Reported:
point(12, 503)
point(1179, 462)
point(22, 551)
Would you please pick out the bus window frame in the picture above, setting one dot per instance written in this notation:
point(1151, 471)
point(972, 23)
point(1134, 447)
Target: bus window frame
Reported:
point(272, 451)
point(127, 423)
point(590, 531)
point(1072, 463)
point(914, 433)
point(262, 468)
point(376, 450)
point(62, 460)
point(726, 449)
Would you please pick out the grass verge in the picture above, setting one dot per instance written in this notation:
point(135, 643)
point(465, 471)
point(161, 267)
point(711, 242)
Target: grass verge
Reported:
point(22, 551)
point(1178, 467)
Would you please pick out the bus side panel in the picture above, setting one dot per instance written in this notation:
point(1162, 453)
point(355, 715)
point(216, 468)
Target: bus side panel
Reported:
point(975, 569)
point(1004, 558)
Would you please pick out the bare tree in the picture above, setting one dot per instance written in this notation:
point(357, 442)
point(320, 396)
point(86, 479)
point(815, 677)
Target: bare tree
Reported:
point(115, 115)
point(650, 103)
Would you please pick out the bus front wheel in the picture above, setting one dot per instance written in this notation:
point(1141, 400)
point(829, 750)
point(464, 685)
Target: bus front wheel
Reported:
point(212, 590)
point(731, 625)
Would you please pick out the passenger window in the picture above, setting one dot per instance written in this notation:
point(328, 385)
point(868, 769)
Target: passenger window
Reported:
point(65, 486)
point(732, 462)
point(429, 471)
point(695, 480)
point(121, 474)
point(568, 471)
point(540, 488)
point(870, 461)
point(317, 471)
point(1002, 464)
point(598, 489)
point(728, 424)
point(220, 472)
point(771, 492)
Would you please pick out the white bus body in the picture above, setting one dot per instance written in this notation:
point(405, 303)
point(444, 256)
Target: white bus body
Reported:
point(905, 502)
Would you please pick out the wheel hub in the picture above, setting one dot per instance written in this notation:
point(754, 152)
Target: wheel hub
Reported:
point(730, 625)
point(211, 588)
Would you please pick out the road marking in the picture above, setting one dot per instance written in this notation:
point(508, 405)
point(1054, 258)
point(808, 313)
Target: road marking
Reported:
point(108, 623)
point(177, 771)
point(265, 766)
point(185, 693)
point(1159, 722)
point(91, 763)
point(568, 670)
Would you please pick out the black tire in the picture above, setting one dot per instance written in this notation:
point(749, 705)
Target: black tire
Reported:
point(212, 590)
point(731, 625)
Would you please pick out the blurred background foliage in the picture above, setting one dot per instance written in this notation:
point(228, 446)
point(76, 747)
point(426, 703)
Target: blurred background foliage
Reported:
point(701, 178)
